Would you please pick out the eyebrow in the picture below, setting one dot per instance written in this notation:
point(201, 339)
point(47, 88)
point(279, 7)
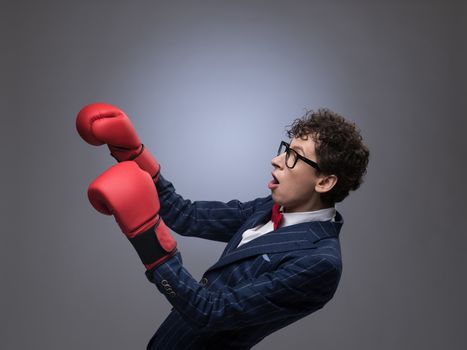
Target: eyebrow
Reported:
point(298, 147)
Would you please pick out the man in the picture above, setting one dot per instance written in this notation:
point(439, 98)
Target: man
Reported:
point(282, 260)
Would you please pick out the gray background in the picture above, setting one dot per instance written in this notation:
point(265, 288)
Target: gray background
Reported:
point(210, 87)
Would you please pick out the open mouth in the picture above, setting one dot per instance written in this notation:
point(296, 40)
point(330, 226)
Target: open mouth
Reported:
point(273, 183)
point(274, 179)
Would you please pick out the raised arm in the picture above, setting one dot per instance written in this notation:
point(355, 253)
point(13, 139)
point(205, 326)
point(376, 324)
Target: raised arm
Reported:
point(101, 123)
point(213, 220)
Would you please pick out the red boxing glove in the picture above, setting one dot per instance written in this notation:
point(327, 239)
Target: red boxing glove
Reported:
point(128, 193)
point(100, 123)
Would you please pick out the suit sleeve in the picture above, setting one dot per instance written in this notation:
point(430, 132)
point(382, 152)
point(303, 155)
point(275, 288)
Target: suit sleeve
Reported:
point(212, 220)
point(299, 287)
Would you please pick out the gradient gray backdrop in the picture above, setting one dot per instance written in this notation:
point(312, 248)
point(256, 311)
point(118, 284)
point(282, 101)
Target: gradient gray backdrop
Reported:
point(210, 87)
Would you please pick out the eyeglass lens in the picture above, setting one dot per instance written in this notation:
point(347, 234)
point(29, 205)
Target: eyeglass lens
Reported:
point(290, 156)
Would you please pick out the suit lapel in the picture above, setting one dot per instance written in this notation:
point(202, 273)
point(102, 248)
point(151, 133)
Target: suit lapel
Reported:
point(281, 240)
point(294, 237)
point(261, 216)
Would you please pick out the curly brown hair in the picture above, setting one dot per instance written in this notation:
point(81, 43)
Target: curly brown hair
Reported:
point(339, 150)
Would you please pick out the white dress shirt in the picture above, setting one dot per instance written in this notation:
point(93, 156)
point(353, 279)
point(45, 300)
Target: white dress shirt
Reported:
point(287, 220)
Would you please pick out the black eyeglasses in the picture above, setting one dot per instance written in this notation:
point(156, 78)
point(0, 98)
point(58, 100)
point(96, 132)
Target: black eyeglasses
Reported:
point(291, 156)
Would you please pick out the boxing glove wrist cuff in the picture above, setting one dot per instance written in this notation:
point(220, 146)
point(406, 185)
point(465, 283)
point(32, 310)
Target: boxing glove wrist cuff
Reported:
point(143, 158)
point(148, 163)
point(148, 247)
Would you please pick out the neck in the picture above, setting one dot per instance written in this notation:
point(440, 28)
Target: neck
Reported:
point(312, 205)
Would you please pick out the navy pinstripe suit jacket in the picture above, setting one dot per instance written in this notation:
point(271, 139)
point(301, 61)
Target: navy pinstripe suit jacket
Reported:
point(253, 290)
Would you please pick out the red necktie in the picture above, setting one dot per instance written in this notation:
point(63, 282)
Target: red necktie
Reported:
point(276, 216)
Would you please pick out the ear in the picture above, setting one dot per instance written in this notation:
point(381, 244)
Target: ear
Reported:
point(325, 183)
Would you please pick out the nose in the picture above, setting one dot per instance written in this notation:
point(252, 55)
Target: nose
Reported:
point(278, 161)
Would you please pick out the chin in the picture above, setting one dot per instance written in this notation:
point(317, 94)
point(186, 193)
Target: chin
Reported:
point(274, 196)
point(277, 198)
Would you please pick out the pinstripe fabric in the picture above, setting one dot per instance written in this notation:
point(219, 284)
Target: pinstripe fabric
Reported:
point(253, 290)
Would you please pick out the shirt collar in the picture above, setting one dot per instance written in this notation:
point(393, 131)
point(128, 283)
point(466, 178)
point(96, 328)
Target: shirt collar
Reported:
point(326, 214)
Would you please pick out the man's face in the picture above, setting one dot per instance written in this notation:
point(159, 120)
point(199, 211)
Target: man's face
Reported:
point(295, 188)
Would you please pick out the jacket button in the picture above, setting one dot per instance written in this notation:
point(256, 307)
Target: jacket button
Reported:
point(165, 283)
point(204, 281)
